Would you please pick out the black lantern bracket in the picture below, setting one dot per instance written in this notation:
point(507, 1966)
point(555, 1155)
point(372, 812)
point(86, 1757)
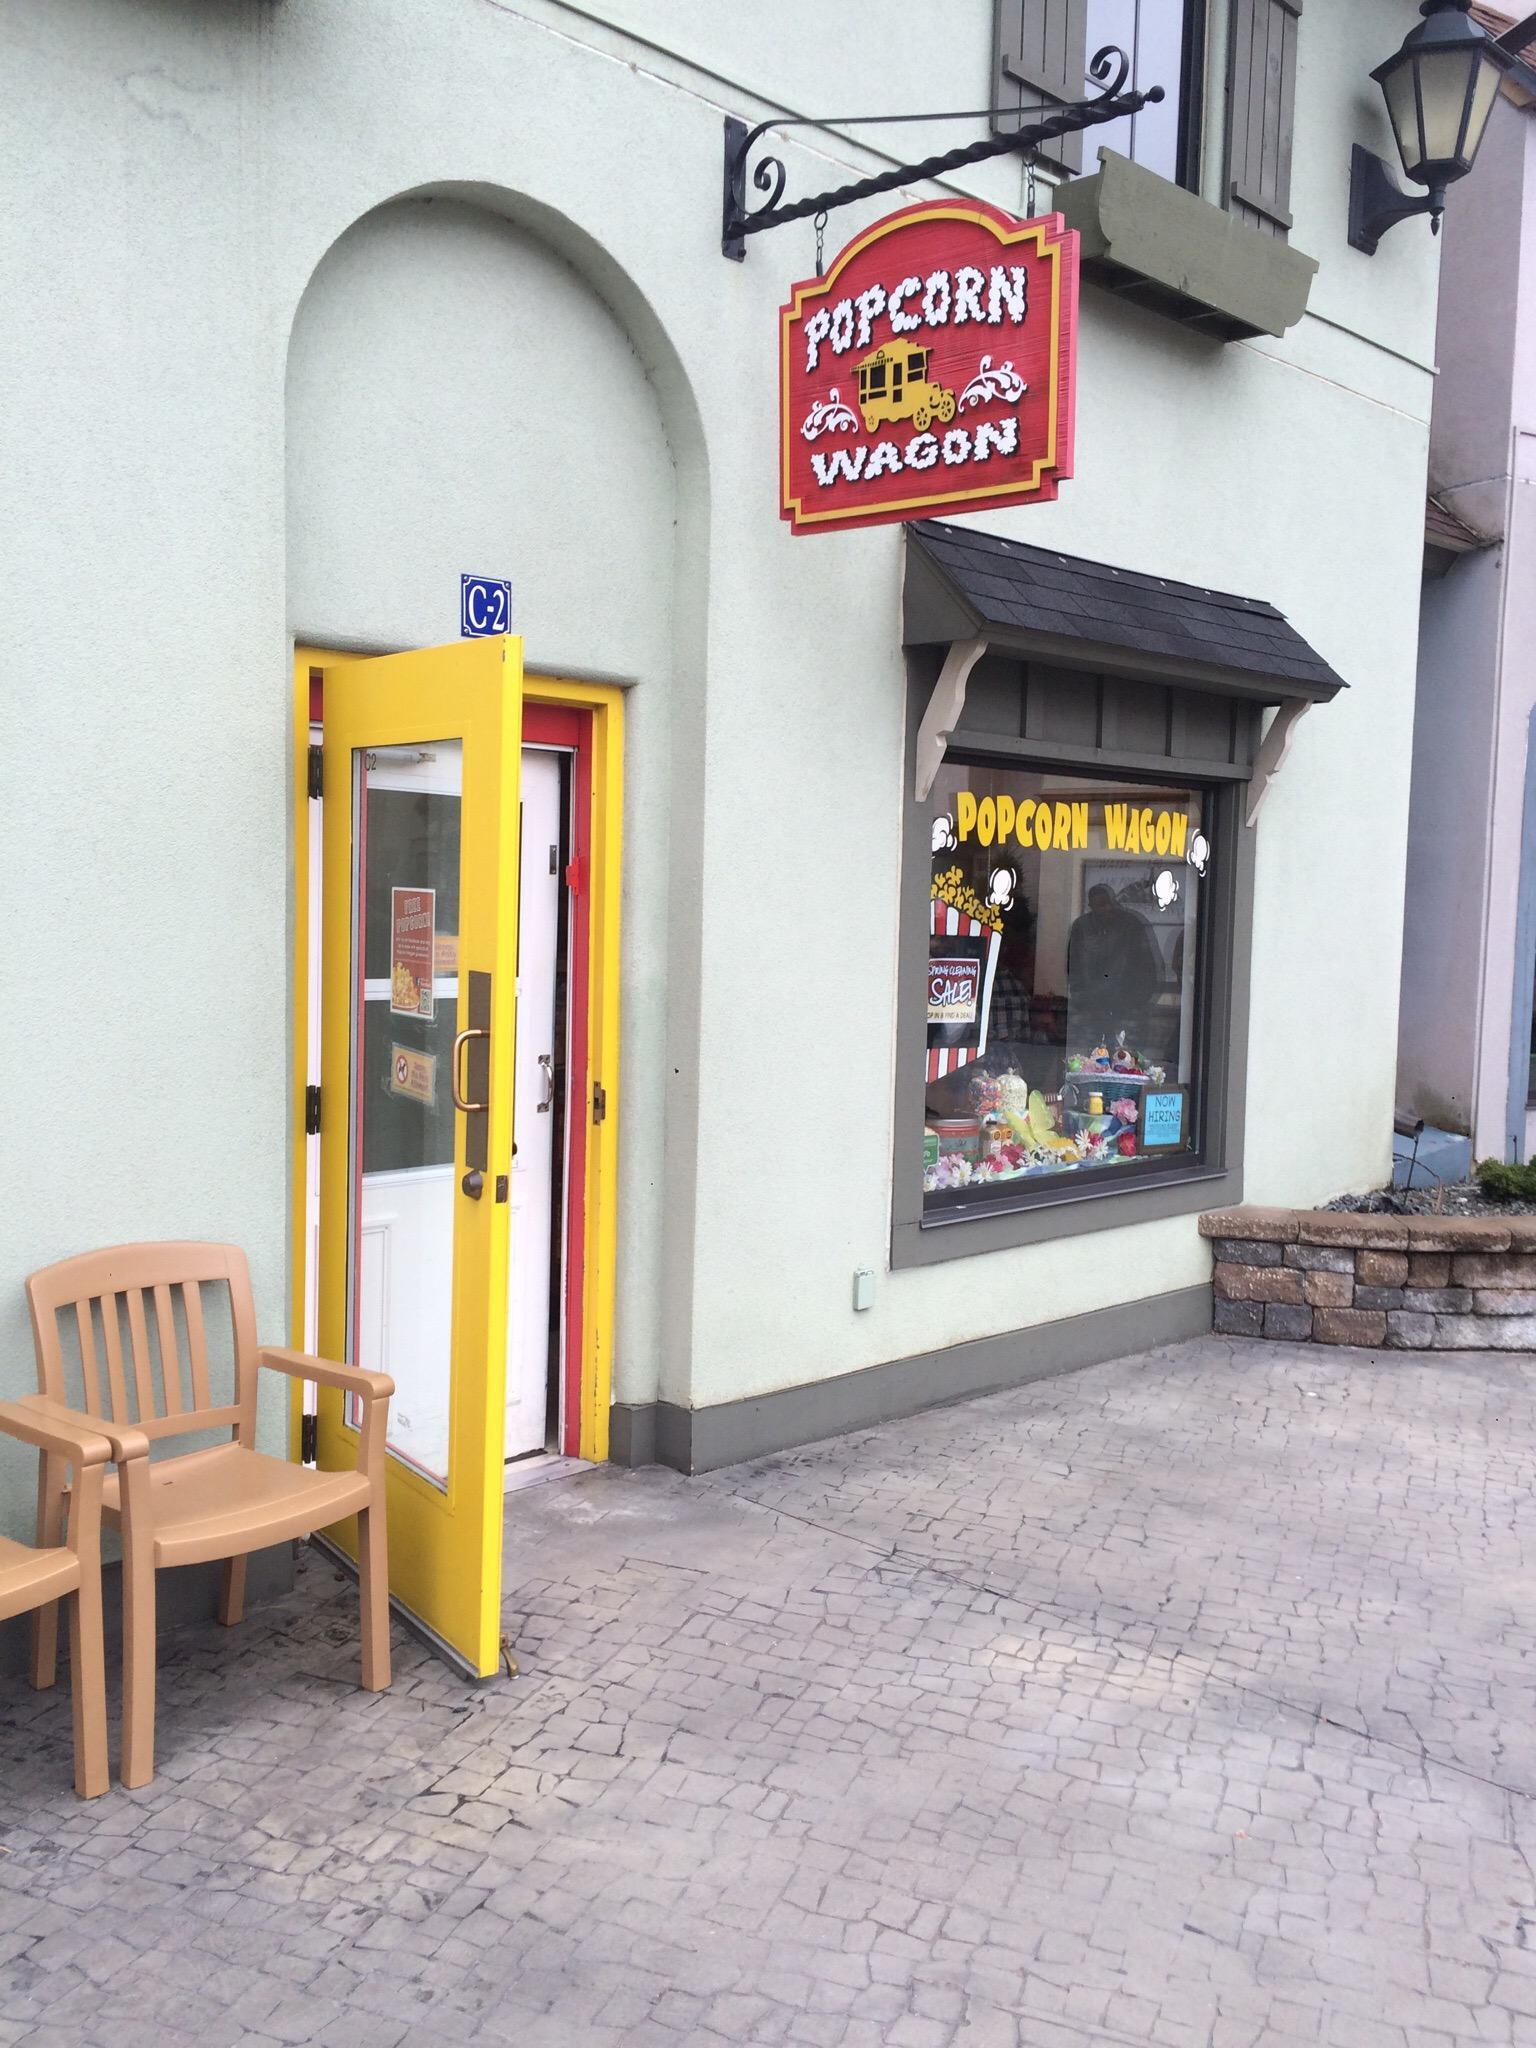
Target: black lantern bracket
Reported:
point(1109, 69)
point(1377, 202)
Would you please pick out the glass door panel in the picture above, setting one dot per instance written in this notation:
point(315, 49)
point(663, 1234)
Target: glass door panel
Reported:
point(418, 996)
point(406, 853)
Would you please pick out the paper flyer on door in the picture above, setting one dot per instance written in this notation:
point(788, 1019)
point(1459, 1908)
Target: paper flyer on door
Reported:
point(412, 952)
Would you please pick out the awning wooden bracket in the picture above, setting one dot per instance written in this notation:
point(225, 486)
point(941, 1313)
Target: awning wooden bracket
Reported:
point(944, 709)
point(1273, 750)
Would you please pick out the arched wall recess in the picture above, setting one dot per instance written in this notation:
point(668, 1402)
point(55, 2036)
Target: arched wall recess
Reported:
point(474, 385)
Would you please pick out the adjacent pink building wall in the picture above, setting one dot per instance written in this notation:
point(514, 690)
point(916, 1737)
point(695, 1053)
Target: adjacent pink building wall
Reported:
point(1477, 667)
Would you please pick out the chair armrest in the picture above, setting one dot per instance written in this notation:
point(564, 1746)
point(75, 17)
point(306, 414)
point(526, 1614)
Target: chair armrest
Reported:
point(123, 1441)
point(351, 1379)
point(62, 1434)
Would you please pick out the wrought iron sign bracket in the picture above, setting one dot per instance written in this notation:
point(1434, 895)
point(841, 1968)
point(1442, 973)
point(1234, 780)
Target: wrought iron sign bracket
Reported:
point(1110, 68)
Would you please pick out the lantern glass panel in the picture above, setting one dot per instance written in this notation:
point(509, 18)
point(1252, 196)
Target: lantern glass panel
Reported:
point(1444, 79)
point(1484, 93)
point(1400, 89)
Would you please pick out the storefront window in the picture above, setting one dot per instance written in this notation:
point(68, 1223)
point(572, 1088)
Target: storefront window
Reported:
point(1063, 981)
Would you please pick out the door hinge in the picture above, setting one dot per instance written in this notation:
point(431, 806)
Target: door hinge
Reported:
point(599, 1102)
point(309, 1439)
point(573, 876)
point(317, 772)
point(312, 1110)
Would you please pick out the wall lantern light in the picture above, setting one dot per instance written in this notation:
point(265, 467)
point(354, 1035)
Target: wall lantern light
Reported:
point(1440, 88)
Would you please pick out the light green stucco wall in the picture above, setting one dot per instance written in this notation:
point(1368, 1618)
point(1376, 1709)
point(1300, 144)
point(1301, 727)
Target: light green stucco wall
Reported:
point(180, 175)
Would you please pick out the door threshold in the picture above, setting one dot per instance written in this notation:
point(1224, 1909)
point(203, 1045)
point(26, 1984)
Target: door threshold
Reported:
point(413, 1624)
point(540, 1469)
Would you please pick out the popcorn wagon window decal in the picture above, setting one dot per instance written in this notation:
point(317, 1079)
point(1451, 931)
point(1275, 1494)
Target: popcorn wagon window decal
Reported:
point(962, 960)
point(930, 369)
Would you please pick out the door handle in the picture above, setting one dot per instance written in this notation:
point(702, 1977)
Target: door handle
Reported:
point(547, 1062)
point(455, 1068)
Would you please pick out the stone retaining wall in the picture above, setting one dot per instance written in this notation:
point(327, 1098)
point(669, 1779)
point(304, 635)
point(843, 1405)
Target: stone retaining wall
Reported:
point(1412, 1283)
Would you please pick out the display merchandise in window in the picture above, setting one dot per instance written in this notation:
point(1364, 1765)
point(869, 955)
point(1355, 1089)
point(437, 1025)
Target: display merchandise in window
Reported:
point(1063, 979)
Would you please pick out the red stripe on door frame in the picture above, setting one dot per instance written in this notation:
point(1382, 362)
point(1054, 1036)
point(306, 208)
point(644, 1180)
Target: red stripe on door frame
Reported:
point(559, 725)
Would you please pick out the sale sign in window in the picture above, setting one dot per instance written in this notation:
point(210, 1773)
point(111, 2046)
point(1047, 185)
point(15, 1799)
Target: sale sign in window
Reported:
point(954, 990)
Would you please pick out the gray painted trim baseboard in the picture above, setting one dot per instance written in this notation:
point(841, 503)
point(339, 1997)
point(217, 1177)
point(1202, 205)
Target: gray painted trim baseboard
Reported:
point(188, 1593)
point(705, 1439)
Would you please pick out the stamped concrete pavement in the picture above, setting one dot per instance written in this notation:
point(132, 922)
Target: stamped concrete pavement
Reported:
point(1185, 1700)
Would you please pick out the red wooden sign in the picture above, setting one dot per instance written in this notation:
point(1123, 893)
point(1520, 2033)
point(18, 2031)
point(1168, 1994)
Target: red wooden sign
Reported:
point(930, 370)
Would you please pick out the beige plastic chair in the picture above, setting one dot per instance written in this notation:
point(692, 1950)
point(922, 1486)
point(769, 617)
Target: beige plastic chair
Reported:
point(221, 1502)
point(32, 1579)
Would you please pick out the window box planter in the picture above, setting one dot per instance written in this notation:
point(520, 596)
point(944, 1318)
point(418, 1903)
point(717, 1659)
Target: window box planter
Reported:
point(1159, 246)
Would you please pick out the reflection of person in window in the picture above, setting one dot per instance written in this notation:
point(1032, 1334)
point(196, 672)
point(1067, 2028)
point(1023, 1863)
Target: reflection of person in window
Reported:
point(1112, 970)
point(1008, 1022)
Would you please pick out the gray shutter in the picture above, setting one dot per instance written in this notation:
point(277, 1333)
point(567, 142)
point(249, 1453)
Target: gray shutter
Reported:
point(1040, 58)
point(1261, 102)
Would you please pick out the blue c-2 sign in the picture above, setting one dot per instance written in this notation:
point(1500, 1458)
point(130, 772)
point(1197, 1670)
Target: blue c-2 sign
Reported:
point(485, 606)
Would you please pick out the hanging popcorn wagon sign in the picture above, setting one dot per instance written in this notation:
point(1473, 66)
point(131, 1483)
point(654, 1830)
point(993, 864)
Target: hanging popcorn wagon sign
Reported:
point(930, 369)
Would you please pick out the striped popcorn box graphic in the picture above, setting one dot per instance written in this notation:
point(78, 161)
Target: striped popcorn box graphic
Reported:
point(960, 977)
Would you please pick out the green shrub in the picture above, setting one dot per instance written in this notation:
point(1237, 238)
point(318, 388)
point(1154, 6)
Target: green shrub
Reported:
point(1503, 1182)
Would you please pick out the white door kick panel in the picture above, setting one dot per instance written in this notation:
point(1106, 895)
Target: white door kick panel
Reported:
point(404, 1304)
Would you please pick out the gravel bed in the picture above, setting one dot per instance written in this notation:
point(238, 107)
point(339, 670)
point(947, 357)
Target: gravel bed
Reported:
point(1453, 1198)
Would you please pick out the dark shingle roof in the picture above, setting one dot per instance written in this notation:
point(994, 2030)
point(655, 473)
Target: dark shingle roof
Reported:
point(1010, 590)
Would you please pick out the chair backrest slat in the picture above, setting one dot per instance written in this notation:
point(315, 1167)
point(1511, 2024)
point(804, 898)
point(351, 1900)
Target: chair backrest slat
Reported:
point(85, 1322)
point(138, 1337)
point(197, 1342)
point(170, 1362)
point(112, 1332)
point(117, 1282)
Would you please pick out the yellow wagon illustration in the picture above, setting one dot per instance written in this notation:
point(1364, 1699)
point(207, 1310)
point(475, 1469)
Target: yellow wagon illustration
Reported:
point(893, 385)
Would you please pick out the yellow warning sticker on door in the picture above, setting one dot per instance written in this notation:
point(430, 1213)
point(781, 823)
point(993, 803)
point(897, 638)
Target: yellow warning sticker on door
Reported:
point(413, 1074)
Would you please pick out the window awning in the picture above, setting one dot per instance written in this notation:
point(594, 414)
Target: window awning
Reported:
point(971, 592)
point(964, 586)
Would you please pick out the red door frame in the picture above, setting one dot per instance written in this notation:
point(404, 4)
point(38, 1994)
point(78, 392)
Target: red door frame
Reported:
point(558, 725)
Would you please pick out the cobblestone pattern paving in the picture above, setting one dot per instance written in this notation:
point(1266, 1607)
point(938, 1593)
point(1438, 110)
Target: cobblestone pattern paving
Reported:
point(1183, 1701)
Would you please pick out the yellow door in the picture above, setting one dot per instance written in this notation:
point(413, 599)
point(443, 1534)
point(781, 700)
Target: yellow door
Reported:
point(418, 993)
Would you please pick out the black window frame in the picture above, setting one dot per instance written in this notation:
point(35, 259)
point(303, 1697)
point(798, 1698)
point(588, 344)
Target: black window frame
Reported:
point(1110, 1197)
point(1190, 148)
point(1192, 95)
point(1146, 1169)
point(1075, 156)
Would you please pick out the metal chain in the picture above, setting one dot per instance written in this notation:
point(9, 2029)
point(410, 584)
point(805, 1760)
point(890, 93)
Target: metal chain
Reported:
point(820, 225)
